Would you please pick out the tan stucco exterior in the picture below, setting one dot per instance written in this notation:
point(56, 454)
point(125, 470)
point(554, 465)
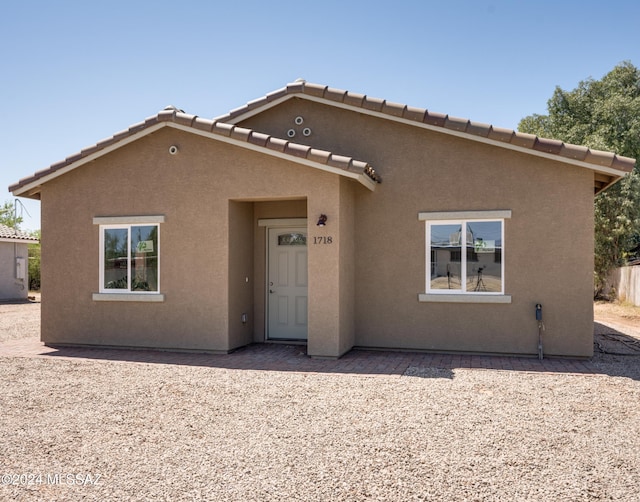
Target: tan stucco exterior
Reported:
point(366, 267)
point(548, 240)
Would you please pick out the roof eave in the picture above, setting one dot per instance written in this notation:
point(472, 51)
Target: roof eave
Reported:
point(444, 124)
point(197, 126)
point(18, 240)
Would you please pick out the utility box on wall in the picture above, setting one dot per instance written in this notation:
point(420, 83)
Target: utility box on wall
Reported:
point(21, 268)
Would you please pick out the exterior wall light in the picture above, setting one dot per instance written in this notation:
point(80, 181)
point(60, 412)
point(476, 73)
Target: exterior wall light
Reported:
point(322, 221)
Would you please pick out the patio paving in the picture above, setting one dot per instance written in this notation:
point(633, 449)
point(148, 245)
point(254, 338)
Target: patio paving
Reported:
point(283, 357)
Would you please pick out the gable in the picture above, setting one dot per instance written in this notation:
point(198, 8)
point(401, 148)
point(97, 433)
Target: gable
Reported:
point(171, 117)
point(606, 166)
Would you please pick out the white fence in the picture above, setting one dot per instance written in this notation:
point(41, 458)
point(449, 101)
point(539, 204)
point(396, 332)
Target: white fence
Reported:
point(626, 281)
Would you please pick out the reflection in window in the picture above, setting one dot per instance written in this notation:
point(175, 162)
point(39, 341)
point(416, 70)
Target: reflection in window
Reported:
point(485, 273)
point(465, 256)
point(292, 239)
point(116, 260)
point(130, 258)
point(446, 256)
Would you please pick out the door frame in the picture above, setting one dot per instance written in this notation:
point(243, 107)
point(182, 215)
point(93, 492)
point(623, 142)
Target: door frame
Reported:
point(275, 223)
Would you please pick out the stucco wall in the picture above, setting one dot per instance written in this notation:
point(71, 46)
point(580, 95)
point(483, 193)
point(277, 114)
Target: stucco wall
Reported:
point(12, 288)
point(548, 249)
point(206, 251)
point(364, 286)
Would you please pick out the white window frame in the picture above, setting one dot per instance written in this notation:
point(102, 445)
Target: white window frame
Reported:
point(462, 295)
point(125, 222)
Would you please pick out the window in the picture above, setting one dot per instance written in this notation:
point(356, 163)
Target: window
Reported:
point(129, 256)
point(465, 256)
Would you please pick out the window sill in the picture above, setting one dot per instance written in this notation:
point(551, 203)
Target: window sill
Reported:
point(463, 298)
point(127, 297)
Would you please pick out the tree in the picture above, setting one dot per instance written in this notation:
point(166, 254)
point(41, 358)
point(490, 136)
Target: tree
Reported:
point(34, 263)
point(603, 115)
point(8, 215)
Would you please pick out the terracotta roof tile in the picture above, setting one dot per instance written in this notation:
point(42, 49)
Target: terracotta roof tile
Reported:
point(320, 156)
point(235, 112)
point(501, 134)
point(434, 119)
point(456, 123)
point(339, 161)
point(258, 138)
point(374, 104)
point(240, 133)
point(478, 129)
point(222, 128)
point(203, 124)
point(277, 144)
point(72, 158)
point(297, 86)
point(548, 145)
point(256, 103)
point(184, 118)
point(297, 149)
point(277, 94)
point(624, 163)
point(359, 165)
point(524, 140)
point(334, 94)
point(396, 109)
point(574, 151)
point(103, 143)
point(137, 127)
point(7, 232)
point(599, 157)
point(166, 114)
point(413, 113)
point(314, 90)
point(89, 150)
point(121, 135)
point(353, 99)
point(151, 120)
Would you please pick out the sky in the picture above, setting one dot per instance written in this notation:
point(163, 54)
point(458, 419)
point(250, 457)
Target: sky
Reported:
point(75, 72)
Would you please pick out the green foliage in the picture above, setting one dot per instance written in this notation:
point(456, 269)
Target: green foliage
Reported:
point(34, 263)
point(8, 215)
point(603, 115)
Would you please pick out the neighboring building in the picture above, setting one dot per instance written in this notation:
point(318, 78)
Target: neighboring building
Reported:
point(14, 263)
point(326, 217)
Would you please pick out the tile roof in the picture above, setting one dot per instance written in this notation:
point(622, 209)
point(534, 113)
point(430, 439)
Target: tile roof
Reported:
point(13, 234)
point(608, 167)
point(173, 115)
point(446, 123)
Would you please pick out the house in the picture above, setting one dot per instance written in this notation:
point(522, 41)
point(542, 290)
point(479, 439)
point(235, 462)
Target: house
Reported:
point(14, 263)
point(324, 217)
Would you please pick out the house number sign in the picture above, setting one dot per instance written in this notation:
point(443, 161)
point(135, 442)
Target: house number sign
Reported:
point(323, 239)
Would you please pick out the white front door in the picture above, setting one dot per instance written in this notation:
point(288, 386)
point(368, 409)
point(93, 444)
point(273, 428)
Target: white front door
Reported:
point(287, 283)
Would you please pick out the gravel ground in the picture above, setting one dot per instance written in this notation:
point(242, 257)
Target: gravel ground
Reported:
point(137, 431)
